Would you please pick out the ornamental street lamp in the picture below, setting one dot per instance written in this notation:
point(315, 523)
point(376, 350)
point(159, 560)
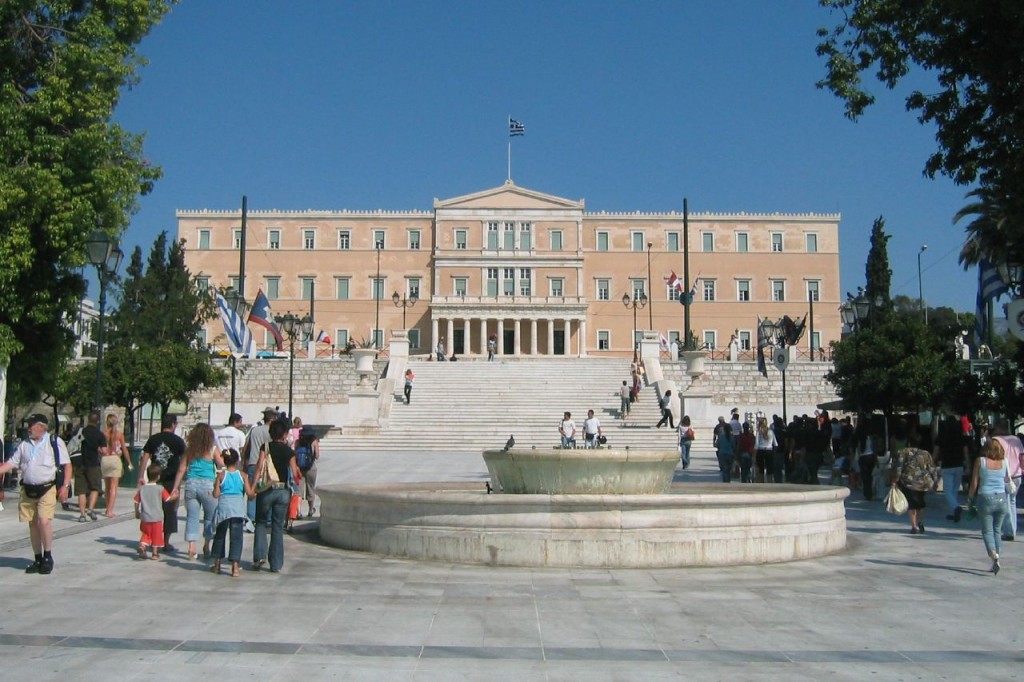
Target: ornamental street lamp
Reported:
point(378, 293)
point(404, 303)
point(296, 328)
point(637, 301)
point(920, 284)
point(238, 304)
point(106, 255)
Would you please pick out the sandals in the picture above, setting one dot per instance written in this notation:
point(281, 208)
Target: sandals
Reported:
point(215, 569)
point(235, 573)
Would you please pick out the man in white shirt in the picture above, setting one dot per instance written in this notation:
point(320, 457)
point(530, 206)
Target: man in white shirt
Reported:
point(231, 437)
point(37, 461)
point(567, 429)
point(591, 430)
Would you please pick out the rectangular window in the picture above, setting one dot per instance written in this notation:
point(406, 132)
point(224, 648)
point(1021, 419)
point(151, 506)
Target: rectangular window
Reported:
point(202, 283)
point(742, 242)
point(201, 338)
point(274, 239)
point(308, 284)
point(604, 340)
point(378, 240)
point(412, 287)
point(637, 241)
point(508, 241)
point(414, 338)
point(509, 281)
point(673, 293)
point(235, 282)
point(341, 338)
point(344, 240)
point(777, 242)
point(743, 290)
point(710, 338)
point(525, 282)
point(204, 240)
point(816, 341)
point(492, 236)
point(237, 238)
point(557, 286)
point(674, 336)
point(604, 287)
point(525, 236)
point(672, 241)
point(492, 281)
point(813, 290)
point(707, 242)
point(378, 338)
point(709, 290)
point(460, 239)
point(414, 240)
point(812, 243)
point(460, 286)
point(744, 340)
point(273, 288)
point(342, 288)
point(637, 285)
point(602, 241)
point(556, 240)
point(309, 239)
point(378, 288)
point(778, 290)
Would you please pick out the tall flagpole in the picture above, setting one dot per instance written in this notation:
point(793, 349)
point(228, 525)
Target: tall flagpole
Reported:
point(509, 178)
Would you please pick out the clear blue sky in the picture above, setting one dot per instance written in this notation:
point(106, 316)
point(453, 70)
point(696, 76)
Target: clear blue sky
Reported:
point(328, 104)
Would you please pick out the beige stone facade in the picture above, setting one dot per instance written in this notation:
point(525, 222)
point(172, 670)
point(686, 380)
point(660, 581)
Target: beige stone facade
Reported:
point(536, 272)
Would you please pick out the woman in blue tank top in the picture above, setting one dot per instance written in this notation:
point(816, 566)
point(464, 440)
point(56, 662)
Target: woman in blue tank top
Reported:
point(198, 469)
point(988, 495)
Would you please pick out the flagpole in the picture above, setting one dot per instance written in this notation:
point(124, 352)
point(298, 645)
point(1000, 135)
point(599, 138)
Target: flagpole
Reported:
point(509, 178)
point(686, 276)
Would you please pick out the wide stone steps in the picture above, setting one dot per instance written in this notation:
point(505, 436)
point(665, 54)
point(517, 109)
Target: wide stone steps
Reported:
point(474, 405)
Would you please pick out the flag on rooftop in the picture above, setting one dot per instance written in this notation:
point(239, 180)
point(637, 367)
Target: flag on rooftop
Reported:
point(990, 287)
point(515, 128)
point(262, 315)
point(240, 339)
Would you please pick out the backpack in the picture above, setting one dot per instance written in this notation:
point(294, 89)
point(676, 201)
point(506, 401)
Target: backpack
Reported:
point(58, 476)
point(75, 444)
point(304, 457)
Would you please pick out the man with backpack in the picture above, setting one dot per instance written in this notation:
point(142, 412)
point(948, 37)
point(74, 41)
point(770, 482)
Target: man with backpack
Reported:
point(46, 473)
point(307, 452)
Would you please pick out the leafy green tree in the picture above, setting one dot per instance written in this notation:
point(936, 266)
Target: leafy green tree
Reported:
point(877, 273)
point(64, 166)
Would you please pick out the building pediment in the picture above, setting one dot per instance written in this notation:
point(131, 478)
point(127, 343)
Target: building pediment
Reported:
point(508, 196)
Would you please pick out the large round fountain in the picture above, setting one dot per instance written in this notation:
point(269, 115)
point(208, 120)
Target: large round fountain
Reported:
point(590, 508)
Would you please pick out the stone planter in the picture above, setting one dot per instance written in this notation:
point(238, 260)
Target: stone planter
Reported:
point(364, 363)
point(694, 362)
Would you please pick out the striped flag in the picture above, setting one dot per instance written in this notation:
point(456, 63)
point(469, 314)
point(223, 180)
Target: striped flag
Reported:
point(762, 366)
point(261, 315)
point(322, 337)
point(990, 287)
point(515, 128)
point(239, 337)
point(674, 282)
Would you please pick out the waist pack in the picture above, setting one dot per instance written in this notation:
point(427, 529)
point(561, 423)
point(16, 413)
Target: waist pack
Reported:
point(34, 491)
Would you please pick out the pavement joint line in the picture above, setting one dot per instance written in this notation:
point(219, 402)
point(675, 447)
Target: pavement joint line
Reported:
point(520, 653)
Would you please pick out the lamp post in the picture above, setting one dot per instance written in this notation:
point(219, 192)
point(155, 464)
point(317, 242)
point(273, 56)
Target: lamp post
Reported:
point(650, 311)
point(634, 303)
point(920, 283)
point(404, 303)
point(237, 303)
point(106, 255)
point(294, 327)
point(377, 294)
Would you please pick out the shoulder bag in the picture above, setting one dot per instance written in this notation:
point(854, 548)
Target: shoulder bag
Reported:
point(266, 475)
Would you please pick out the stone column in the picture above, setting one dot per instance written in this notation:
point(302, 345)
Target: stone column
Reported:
point(433, 335)
point(483, 336)
point(533, 336)
point(582, 341)
point(449, 341)
point(515, 333)
point(567, 323)
point(500, 350)
point(551, 336)
point(467, 348)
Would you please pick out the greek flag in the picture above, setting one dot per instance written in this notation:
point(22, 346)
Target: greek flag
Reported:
point(240, 339)
point(515, 128)
point(990, 286)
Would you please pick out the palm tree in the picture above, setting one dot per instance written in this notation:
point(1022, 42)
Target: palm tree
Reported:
point(995, 232)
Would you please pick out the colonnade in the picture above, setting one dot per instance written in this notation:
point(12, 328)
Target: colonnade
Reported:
point(530, 336)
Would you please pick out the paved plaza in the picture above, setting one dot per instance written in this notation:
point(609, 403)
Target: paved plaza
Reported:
point(891, 607)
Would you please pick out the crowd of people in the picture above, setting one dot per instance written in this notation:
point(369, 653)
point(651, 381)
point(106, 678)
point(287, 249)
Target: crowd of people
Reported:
point(230, 482)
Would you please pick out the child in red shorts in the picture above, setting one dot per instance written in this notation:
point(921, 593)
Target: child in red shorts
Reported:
point(149, 509)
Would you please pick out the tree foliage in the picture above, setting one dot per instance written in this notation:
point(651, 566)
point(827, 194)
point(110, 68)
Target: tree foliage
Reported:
point(64, 166)
point(877, 273)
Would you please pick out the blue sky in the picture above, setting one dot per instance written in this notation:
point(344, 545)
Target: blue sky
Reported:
point(631, 106)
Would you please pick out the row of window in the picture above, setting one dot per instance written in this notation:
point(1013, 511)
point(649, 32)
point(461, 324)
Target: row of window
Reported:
point(519, 236)
point(519, 281)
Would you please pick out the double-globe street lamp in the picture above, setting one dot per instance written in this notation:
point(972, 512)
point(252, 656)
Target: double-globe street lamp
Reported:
point(236, 301)
point(296, 328)
point(639, 300)
point(106, 255)
point(404, 303)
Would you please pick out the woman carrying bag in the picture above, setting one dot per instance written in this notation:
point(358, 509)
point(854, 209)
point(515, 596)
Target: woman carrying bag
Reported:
point(275, 464)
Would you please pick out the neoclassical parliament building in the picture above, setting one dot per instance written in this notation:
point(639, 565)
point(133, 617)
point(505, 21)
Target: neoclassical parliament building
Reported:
point(538, 273)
